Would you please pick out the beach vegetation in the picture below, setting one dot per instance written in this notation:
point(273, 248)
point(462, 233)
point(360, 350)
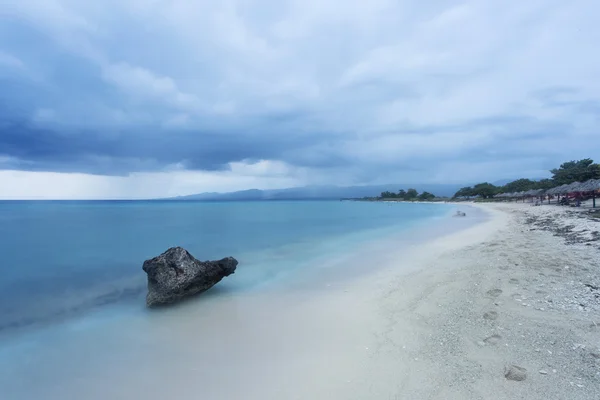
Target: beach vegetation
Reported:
point(426, 196)
point(465, 192)
point(568, 172)
point(411, 194)
point(576, 171)
point(408, 195)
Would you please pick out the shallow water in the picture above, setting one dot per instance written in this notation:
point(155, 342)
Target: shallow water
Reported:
point(64, 258)
point(72, 311)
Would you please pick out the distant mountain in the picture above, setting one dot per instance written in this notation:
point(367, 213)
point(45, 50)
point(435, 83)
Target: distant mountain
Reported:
point(321, 192)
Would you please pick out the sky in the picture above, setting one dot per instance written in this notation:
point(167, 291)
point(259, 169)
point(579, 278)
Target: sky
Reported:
point(157, 98)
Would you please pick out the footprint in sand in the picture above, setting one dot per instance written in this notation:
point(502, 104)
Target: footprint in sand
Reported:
point(494, 292)
point(513, 280)
point(503, 267)
point(492, 340)
point(490, 315)
point(515, 373)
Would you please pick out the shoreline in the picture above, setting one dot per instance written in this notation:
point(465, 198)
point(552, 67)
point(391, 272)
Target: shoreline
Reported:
point(436, 320)
point(513, 295)
point(325, 253)
point(260, 340)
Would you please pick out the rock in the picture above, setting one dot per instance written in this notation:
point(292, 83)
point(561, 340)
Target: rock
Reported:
point(491, 315)
point(515, 373)
point(176, 274)
point(494, 292)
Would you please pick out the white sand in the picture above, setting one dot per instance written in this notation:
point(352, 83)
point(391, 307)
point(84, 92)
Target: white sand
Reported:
point(423, 335)
point(414, 329)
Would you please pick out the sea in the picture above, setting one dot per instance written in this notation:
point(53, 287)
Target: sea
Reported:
point(72, 287)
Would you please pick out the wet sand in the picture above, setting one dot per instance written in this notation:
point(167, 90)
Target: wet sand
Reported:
point(436, 320)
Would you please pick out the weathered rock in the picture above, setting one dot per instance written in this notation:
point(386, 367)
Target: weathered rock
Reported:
point(491, 315)
point(515, 373)
point(176, 274)
point(494, 292)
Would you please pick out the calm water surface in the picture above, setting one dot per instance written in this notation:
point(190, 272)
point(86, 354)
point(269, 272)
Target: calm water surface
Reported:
point(63, 258)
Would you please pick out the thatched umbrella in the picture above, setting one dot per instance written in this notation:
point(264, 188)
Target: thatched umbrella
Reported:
point(558, 190)
point(538, 192)
point(591, 186)
point(573, 187)
point(553, 190)
point(562, 189)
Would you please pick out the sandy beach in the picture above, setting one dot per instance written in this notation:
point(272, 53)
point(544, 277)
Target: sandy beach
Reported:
point(519, 290)
point(508, 309)
point(450, 318)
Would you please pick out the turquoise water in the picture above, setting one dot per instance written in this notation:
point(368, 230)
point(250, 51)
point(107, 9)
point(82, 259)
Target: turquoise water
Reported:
point(73, 323)
point(62, 259)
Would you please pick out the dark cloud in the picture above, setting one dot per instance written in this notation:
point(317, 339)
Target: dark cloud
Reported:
point(360, 90)
point(143, 149)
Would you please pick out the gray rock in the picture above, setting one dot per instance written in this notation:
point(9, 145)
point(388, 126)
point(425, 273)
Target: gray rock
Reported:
point(491, 315)
point(176, 274)
point(515, 373)
point(494, 292)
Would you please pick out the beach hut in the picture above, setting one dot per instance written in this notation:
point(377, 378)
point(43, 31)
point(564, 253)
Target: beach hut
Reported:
point(592, 186)
point(573, 187)
point(561, 189)
point(552, 192)
point(558, 190)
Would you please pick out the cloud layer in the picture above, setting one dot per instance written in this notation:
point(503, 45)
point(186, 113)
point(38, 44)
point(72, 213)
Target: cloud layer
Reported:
point(237, 94)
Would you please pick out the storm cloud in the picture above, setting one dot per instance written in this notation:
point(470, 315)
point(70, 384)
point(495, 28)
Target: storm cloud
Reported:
point(268, 93)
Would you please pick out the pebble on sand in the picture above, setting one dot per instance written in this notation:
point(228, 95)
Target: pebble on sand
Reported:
point(515, 373)
point(491, 315)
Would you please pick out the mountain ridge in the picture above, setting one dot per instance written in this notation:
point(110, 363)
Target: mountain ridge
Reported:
point(321, 192)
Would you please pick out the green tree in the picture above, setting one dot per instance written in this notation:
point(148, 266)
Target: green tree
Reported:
point(576, 171)
point(426, 196)
point(402, 194)
point(520, 185)
point(545, 184)
point(485, 190)
point(388, 195)
point(411, 194)
point(464, 192)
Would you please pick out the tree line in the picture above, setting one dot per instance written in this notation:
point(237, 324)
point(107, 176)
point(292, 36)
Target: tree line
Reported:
point(408, 195)
point(568, 172)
